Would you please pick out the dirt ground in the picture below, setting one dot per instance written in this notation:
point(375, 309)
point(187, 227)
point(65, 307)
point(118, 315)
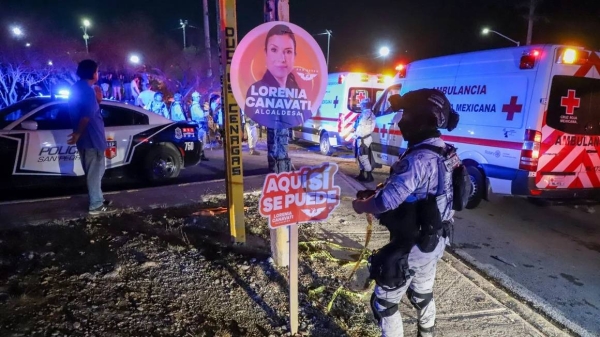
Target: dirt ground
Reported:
point(169, 272)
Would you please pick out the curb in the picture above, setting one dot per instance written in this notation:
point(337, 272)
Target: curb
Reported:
point(533, 309)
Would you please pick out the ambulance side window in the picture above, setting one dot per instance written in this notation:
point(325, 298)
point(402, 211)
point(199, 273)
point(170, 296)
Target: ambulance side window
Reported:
point(382, 107)
point(356, 95)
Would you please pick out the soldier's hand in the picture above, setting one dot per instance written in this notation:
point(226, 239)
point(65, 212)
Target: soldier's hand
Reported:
point(364, 194)
point(356, 204)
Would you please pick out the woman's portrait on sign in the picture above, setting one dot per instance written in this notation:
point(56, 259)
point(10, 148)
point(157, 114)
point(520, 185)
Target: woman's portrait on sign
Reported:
point(282, 93)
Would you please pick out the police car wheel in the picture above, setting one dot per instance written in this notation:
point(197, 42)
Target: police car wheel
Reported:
point(163, 162)
point(478, 187)
point(324, 145)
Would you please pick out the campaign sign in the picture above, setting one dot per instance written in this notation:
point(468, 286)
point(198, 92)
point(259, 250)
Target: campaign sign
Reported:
point(306, 195)
point(278, 75)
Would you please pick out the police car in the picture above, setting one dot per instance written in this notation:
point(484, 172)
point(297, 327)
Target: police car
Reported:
point(141, 144)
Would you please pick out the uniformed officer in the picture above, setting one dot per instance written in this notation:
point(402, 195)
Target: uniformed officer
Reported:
point(250, 127)
point(178, 112)
point(158, 106)
point(365, 126)
point(198, 115)
point(414, 177)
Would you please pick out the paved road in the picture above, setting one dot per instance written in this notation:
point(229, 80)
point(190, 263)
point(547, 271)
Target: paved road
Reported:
point(548, 255)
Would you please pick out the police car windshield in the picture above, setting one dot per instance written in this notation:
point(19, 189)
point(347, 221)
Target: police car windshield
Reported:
point(14, 112)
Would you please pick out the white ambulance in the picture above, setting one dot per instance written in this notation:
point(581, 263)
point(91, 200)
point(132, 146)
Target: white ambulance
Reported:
point(332, 124)
point(529, 119)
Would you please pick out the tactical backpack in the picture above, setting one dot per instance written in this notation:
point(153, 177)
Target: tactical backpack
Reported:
point(461, 181)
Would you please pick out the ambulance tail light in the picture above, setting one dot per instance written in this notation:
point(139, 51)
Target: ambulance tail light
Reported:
point(401, 69)
point(341, 79)
point(530, 153)
point(572, 56)
point(528, 59)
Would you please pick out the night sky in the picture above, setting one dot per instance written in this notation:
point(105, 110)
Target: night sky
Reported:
point(412, 29)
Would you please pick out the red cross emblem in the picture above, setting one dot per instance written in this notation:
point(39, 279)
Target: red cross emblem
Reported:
point(570, 102)
point(592, 62)
point(512, 108)
point(382, 131)
point(361, 96)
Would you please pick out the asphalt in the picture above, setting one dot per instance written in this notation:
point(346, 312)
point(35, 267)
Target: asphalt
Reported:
point(467, 303)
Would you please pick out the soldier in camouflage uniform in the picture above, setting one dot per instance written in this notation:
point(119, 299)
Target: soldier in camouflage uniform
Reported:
point(365, 125)
point(413, 177)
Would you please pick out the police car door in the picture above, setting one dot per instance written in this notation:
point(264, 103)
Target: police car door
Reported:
point(44, 149)
point(386, 135)
point(121, 125)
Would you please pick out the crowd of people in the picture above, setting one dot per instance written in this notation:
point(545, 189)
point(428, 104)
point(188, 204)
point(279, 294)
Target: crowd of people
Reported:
point(141, 91)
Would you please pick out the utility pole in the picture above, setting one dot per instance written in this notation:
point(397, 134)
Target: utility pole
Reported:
point(183, 24)
point(277, 146)
point(207, 37)
point(530, 19)
point(328, 33)
point(234, 173)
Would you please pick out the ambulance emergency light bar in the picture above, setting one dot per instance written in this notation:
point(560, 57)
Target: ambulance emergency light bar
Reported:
point(401, 69)
point(572, 56)
point(353, 76)
point(528, 59)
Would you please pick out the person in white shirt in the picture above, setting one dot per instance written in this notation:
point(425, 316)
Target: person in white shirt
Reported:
point(135, 89)
point(147, 96)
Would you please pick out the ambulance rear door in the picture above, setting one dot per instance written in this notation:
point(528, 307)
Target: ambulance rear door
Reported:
point(386, 137)
point(348, 117)
point(569, 158)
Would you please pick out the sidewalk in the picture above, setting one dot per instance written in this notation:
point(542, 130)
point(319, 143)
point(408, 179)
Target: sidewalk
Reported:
point(467, 304)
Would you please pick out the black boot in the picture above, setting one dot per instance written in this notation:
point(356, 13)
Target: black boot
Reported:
point(203, 157)
point(369, 177)
point(426, 332)
point(361, 176)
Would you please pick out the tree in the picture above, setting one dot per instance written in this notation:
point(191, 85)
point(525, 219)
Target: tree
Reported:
point(18, 80)
point(38, 67)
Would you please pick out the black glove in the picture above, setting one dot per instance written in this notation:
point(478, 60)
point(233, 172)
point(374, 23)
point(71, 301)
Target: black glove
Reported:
point(364, 194)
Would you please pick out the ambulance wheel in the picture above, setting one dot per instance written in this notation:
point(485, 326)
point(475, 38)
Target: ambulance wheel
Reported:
point(478, 187)
point(324, 145)
point(162, 163)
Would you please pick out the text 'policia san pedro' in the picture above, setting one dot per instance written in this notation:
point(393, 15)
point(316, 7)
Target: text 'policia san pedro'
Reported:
point(416, 204)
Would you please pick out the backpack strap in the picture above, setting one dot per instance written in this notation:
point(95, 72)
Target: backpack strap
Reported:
point(435, 149)
point(441, 152)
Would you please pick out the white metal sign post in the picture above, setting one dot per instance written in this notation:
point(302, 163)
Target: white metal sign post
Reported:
point(290, 198)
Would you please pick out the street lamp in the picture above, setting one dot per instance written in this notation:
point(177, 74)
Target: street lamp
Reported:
point(17, 31)
point(384, 51)
point(86, 24)
point(134, 59)
point(328, 33)
point(485, 31)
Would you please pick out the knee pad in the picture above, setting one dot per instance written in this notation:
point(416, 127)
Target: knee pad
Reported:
point(390, 308)
point(419, 301)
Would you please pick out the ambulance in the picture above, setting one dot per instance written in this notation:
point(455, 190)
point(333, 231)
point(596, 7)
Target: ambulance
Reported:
point(529, 119)
point(332, 124)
